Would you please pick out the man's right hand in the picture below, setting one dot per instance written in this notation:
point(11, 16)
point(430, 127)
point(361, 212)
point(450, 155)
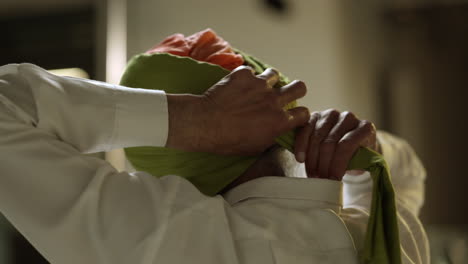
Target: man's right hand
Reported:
point(240, 115)
point(329, 141)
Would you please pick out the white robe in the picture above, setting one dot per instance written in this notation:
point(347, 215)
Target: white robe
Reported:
point(78, 209)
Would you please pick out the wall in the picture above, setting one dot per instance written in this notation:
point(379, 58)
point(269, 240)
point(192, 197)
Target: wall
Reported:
point(313, 43)
point(10, 8)
point(429, 75)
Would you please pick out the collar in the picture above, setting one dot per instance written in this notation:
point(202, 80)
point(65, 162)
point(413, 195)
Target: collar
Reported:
point(323, 191)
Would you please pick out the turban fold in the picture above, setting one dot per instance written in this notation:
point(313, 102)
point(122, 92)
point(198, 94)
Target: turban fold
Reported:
point(170, 66)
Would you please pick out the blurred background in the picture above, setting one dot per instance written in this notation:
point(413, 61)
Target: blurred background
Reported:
point(402, 64)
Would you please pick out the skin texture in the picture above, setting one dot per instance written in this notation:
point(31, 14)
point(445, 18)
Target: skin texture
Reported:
point(268, 164)
point(326, 145)
point(240, 115)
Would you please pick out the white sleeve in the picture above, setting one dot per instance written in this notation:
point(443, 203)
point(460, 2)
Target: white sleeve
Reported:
point(89, 115)
point(74, 208)
point(408, 177)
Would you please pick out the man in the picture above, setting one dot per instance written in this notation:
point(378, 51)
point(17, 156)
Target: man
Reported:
point(78, 209)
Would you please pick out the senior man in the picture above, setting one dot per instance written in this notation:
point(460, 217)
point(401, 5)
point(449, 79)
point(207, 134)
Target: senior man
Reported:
point(78, 209)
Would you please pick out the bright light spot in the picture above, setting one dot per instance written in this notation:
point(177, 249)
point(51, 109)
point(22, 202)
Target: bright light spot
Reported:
point(116, 57)
point(116, 60)
point(72, 72)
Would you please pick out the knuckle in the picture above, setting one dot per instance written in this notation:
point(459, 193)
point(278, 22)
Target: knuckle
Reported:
point(330, 140)
point(320, 133)
point(245, 68)
point(317, 136)
point(367, 126)
point(243, 71)
point(275, 71)
point(311, 123)
point(314, 116)
point(333, 113)
point(348, 115)
point(346, 143)
point(300, 86)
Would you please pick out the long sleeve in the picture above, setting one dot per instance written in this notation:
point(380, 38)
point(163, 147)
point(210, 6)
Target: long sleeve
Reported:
point(408, 177)
point(78, 209)
point(74, 208)
point(91, 116)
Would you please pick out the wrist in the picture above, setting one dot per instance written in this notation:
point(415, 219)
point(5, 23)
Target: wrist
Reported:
point(184, 128)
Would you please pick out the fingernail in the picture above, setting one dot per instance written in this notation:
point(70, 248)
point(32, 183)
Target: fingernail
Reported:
point(301, 157)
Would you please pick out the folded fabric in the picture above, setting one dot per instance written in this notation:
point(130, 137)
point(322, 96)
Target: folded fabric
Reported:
point(210, 173)
point(175, 74)
point(382, 241)
point(202, 46)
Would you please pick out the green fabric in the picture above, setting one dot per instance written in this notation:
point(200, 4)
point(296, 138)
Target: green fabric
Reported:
point(175, 74)
point(382, 242)
point(211, 173)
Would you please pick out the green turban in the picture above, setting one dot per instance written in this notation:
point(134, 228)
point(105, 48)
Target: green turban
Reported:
point(174, 74)
point(210, 173)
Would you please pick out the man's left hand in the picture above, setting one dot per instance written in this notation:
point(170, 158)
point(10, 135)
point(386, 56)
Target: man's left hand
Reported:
point(329, 141)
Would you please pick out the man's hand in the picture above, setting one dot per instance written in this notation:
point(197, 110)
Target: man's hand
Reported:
point(241, 114)
point(328, 142)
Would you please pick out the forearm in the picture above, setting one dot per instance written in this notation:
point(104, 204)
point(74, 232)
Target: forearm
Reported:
point(91, 116)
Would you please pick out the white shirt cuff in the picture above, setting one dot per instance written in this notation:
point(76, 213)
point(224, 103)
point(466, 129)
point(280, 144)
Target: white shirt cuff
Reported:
point(141, 118)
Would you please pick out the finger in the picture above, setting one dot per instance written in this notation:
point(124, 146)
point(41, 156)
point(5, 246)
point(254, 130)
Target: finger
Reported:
point(297, 117)
point(371, 142)
point(322, 129)
point(271, 76)
point(243, 70)
point(291, 92)
point(347, 146)
point(347, 122)
point(302, 137)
